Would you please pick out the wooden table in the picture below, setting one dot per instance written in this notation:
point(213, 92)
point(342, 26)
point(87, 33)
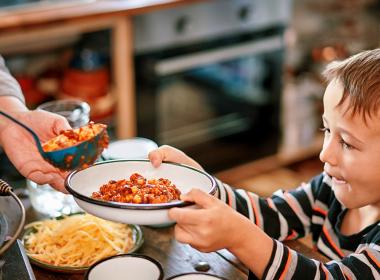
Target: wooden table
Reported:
point(176, 258)
point(159, 243)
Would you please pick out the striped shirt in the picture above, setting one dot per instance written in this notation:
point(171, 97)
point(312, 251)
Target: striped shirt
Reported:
point(311, 208)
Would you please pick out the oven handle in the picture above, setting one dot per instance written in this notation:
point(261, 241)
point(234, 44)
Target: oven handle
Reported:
point(190, 61)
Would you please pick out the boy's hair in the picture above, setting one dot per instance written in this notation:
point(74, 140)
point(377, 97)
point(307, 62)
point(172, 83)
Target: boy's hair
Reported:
point(360, 78)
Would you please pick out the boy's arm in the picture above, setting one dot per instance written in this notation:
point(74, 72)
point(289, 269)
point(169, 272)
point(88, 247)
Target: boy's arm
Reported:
point(285, 215)
point(289, 215)
point(286, 263)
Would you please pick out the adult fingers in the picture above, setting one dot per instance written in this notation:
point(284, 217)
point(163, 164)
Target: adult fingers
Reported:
point(53, 179)
point(42, 172)
point(58, 183)
point(60, 123)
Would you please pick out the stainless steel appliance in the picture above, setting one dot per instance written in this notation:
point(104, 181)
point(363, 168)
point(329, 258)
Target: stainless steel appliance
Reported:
point(209, 78)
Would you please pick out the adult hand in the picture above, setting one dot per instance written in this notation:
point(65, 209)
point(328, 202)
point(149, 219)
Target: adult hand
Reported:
point(169, 153)
point(21, 148)
point(213, 226)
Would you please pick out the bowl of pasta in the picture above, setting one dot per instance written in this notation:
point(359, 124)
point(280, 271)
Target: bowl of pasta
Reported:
point(135, 192)
point(71, 244)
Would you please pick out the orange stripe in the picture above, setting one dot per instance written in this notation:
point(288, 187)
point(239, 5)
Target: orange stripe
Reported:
point(325, 271)
point(373, 259)
point(320, 210)
point(291, 236)
point(332, 243)
point(288, 261)
point(346, 276)
point(254, 209)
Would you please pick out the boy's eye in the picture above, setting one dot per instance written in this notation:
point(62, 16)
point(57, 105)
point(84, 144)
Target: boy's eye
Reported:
point(325, 129)
point(345, 145)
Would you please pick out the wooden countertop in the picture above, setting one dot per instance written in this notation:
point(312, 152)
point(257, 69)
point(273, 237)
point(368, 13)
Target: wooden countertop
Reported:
point(37, 15)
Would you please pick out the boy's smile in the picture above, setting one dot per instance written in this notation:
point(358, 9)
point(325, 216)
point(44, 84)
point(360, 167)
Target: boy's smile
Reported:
point(351, 151)
point(336, 183)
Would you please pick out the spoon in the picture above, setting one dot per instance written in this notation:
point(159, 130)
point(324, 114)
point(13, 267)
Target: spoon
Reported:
point(77, 156)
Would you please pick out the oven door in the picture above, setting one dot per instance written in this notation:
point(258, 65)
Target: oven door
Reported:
point(218, 104)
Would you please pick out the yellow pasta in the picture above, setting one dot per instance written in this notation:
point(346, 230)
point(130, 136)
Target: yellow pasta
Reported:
point(76, 241)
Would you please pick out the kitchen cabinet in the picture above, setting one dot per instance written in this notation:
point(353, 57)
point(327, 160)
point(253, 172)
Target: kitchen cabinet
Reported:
point(31, 24)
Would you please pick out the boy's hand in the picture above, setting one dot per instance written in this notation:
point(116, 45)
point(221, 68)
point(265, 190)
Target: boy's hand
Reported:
point(212, 227)
point(168, 153)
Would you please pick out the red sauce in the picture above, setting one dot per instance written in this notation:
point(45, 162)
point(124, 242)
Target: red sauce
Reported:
point(71, 137)
point(138, 190)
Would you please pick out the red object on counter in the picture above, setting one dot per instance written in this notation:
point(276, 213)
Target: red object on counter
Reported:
point(85, 84)
point(32, 95)
point(92, 87)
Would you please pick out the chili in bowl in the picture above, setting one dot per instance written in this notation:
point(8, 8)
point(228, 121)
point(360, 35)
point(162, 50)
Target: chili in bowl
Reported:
point(135, 192)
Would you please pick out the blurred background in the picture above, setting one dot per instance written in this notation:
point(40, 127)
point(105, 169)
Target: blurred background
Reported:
point(236, 84)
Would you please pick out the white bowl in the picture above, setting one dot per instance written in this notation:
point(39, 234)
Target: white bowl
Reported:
point(82, 183)
point(133, 148)
point(195, 276)
point(126, 267)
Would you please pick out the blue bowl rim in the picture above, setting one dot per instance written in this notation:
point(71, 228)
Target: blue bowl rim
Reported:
point(154, 261)
point(134, 206)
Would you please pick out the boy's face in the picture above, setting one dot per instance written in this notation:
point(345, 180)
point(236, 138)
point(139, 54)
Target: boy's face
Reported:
point(351, 151)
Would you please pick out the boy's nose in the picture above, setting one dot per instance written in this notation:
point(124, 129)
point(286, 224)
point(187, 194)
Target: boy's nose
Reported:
point(328, 152)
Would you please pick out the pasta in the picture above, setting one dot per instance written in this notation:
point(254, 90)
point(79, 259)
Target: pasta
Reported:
point(77, 240)
point(71, 137)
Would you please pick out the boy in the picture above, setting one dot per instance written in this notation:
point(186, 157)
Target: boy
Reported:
point(340, 207)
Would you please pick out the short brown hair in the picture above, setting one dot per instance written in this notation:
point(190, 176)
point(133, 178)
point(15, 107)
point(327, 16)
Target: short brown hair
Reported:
point(360, 78)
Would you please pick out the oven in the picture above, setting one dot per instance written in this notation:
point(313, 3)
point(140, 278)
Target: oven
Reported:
point(209, 79)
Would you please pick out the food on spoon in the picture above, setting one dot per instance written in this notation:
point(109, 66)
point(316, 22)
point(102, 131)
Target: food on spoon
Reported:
point(77, 240)
point(138, 190)
point(72, 137)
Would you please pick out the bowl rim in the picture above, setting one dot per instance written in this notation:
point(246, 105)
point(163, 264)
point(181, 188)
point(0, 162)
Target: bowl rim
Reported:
point(154, 261)
point(195, 273)
point(136, 229)
point(134, 206)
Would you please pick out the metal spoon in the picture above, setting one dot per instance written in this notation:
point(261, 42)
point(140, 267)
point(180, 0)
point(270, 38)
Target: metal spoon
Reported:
point(78, 156)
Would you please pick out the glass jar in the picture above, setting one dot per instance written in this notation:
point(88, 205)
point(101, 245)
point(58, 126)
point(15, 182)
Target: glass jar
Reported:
point(44, 198)
point(77, 112)
point(50, 202)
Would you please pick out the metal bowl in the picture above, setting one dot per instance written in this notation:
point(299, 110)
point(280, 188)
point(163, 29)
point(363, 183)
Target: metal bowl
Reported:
point(82, 183)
